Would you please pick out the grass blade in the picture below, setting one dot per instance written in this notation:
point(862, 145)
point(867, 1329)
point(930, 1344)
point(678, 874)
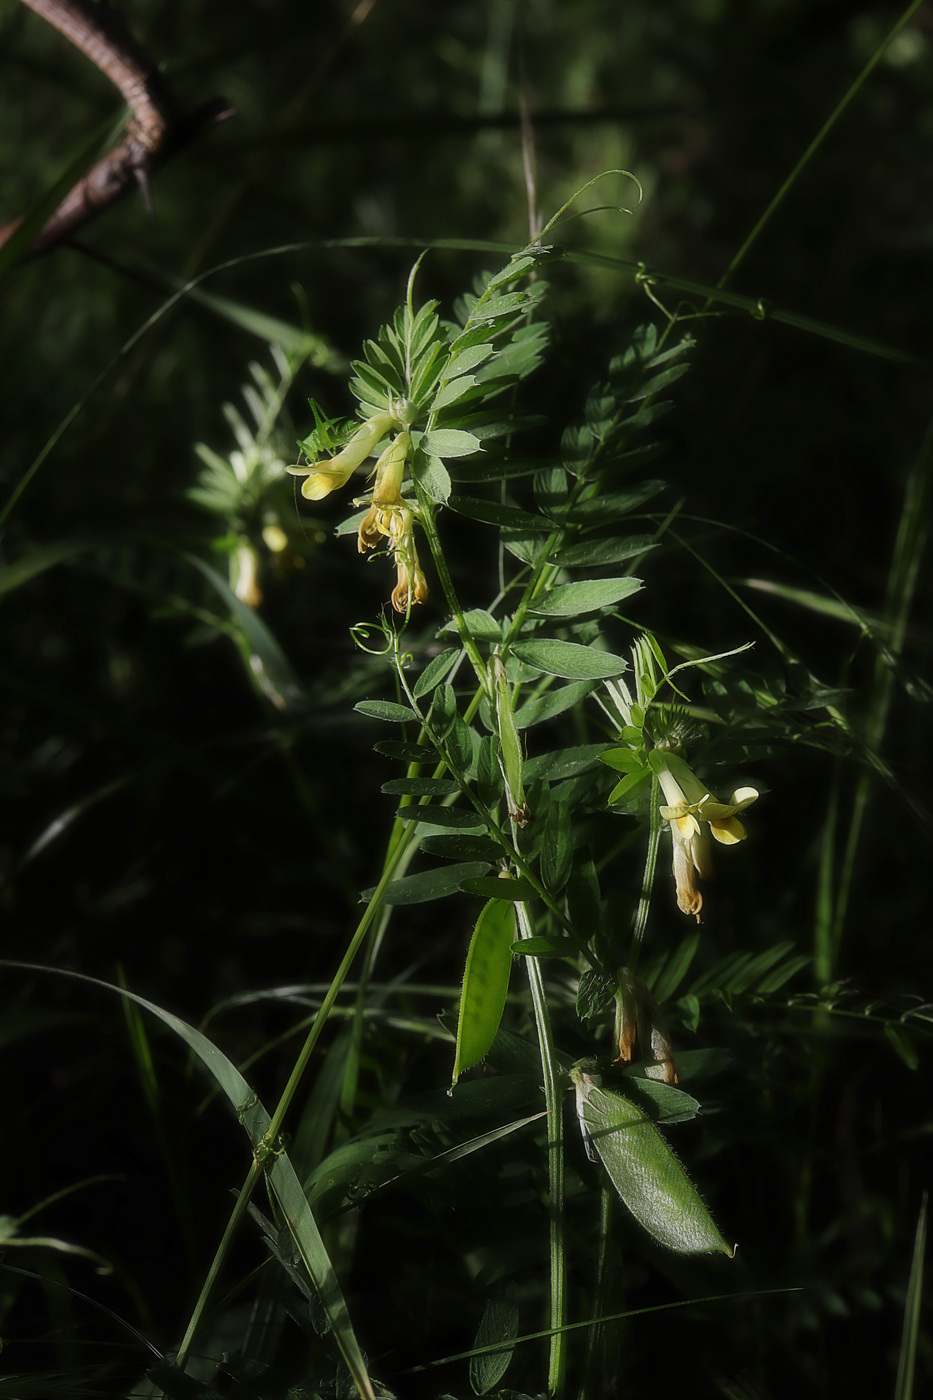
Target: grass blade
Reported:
point(904, 1385)
point(281, 1173)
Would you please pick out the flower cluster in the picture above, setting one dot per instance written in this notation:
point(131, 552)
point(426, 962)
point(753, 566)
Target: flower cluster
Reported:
point(389, 518)
point(695, 815)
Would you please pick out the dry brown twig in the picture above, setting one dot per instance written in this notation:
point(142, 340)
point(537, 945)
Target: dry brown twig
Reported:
point(154, 132)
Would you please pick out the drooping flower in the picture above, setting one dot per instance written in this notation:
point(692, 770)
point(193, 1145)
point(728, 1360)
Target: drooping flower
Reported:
point(390, 519)
point(381, 520)
point(325, 476)
point(411, 586)
point(641, 1024)
point(694, 815)
point(245, 574)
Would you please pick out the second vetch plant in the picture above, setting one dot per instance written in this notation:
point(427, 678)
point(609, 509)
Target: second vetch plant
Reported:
point(491, 802)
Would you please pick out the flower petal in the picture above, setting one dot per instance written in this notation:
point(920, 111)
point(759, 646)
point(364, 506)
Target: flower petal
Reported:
point(689, 899)
point(728, 831)
point(702, 857)
point(323, 480)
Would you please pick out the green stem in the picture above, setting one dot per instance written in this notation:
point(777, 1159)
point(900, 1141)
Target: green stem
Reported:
point(372, 909)
point(510, 849)
point(906, 556)
point(429, 525)
point(651, 864)
point(555, 1120)
point(253, 1177)
point(393, 860)
point(594, 1376)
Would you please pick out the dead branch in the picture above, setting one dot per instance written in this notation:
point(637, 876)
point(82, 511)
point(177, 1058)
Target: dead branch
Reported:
point(154, 132)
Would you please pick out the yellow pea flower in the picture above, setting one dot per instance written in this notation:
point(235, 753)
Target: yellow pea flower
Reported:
point(381, 521)
point(694, 815)
point(329, 475)
point(411, 586)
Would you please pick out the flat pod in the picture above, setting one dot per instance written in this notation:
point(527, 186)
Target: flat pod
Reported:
point(485, 983)
point(644, 1170)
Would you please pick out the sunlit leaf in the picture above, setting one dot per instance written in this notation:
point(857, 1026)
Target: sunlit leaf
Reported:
point(449, 442)
point(569, 659)
point(435, 671)
point(432, 476)
point(572, 599)
point(386, 710)
point(644, 1170)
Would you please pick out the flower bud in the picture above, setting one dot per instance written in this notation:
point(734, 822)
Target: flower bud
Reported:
point(641, 1024)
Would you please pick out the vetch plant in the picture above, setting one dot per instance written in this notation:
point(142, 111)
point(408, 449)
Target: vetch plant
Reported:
point(508, 824)
point(411, 874)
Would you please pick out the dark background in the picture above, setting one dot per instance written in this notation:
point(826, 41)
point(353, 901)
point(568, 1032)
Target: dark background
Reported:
point(163, 825)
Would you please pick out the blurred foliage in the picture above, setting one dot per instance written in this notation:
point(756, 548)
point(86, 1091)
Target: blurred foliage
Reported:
point(201, 830)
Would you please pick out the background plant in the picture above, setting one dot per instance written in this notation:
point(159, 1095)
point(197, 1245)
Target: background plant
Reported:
point(208, 827)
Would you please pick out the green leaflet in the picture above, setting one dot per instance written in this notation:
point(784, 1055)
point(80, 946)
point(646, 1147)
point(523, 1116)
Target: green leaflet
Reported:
point(449, 442)
point(644, 1170)
point(466, 360)
point(385, 710)
point(428, 884)
point(462, 846)
point(572, 599)
point(487, 885)
point(495, 513)
point(453, 390)
point(435, 671)
point(568, 659)
point(421, 787)
point(557, 847)
point(513, 758)
point(482, 625)
point(411, 753)
point(497, 1331)
point(485, 983)
point(433, 814)
point(551, 703)
point(431, 474)
point(611, 550)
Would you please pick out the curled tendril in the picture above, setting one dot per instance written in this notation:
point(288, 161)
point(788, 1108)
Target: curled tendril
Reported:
point(266, 1148)
point(251, 1102)
point(361, 632)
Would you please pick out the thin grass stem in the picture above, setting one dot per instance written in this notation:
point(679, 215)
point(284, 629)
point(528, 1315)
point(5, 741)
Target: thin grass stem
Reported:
point(553, 1098)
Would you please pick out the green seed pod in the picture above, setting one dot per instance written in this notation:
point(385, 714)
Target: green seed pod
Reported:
point(485, 983)
point(644, 1170)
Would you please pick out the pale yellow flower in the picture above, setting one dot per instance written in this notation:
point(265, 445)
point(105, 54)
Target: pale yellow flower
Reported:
point(390, 519)
point(694, 815)
point(334, 472)
point(411, 586)
point(381, 521)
